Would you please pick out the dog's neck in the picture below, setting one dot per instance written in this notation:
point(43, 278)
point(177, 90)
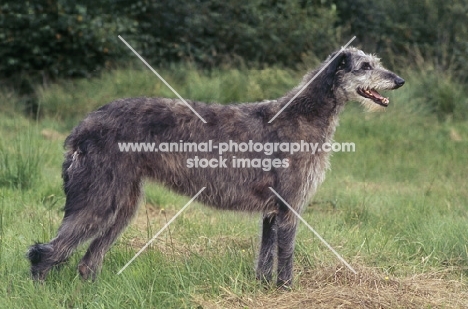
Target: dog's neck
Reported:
point(321, 112)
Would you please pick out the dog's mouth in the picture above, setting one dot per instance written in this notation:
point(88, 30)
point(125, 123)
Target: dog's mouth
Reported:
point(374, 96)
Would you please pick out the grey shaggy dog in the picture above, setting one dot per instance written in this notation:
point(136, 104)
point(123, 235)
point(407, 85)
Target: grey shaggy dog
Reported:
point(103, 185)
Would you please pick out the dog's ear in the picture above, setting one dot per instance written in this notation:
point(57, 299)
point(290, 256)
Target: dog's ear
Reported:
point(340, 61)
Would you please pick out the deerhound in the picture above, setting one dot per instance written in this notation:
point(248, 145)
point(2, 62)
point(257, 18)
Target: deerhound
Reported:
point(103, 184)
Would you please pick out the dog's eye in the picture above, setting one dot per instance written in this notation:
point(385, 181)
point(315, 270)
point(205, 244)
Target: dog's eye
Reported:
point(366, 66)
point(342, 64)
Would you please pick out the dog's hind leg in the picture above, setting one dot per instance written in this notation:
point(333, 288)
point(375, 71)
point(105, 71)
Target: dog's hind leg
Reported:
point(95, 194)
point(267, 247)
point(91, 263)
point(75, 229)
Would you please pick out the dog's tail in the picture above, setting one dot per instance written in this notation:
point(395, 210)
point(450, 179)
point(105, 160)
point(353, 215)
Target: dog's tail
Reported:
point(38, 254)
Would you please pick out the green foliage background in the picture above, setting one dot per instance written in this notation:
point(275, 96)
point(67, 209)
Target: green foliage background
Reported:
point(47, 40)
point(67, 39)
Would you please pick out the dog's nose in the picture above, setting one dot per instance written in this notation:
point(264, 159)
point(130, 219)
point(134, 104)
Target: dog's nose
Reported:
point(399, 81)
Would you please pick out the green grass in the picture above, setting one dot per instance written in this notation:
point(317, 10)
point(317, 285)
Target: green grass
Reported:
point(398, 204)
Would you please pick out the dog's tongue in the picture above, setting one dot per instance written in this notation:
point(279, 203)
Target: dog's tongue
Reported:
point(376, 94)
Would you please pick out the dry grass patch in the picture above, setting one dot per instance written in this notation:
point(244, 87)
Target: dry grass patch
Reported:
point(147, 222)
point(336, 287)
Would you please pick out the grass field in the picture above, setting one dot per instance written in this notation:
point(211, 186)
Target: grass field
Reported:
point(396, 209)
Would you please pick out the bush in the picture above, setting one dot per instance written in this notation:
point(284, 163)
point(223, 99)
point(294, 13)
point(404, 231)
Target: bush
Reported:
point(443, 97)
point(215, 32)
point(258, 32)
point(49, 39)
point(434, 31)
point(58, 39)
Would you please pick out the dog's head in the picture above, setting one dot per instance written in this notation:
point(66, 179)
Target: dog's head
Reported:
point(356, 76)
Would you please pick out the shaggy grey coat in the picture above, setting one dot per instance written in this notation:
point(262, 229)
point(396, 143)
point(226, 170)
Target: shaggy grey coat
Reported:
point(103, 184)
